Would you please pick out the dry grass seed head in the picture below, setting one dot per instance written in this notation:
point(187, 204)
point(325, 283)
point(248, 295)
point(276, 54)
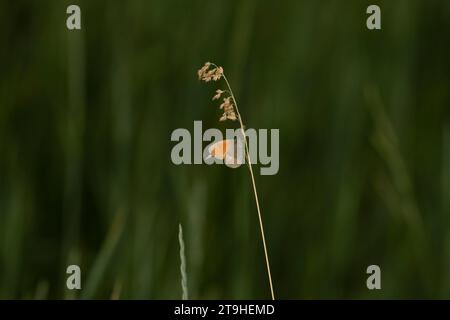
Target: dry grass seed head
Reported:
point(215, 74)
point(218, 94)
point(207, 75)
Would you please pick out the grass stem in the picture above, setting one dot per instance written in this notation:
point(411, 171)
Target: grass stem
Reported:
point(249, 162)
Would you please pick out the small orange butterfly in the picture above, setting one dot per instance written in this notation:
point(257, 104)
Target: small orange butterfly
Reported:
point(230, 151)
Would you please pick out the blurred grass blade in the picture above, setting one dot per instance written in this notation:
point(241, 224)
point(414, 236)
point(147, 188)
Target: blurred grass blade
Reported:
point(104, 257)
point(184, 287)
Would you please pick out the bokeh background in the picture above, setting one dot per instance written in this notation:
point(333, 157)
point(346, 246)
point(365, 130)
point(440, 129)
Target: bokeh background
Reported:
point(85, 170)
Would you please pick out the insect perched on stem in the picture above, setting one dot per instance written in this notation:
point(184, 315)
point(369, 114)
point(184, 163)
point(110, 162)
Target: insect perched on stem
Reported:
point(212, 72)
point(230, 151)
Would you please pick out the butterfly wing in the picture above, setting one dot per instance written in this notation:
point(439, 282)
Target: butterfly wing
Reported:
point(234, 156)
point(219, 149)
point(230, 151)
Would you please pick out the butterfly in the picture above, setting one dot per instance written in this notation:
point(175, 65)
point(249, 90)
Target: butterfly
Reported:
point(230, 151)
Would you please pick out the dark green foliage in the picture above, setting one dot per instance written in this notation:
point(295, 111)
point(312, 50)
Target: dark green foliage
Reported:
point(85, 170)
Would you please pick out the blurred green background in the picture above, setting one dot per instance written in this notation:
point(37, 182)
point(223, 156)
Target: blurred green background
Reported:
point(85, 170)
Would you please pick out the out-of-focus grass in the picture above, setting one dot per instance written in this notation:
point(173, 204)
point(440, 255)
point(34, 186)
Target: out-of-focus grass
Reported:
point(85, 170)
point(445, 206)
point(103, 259)
point(183, 273)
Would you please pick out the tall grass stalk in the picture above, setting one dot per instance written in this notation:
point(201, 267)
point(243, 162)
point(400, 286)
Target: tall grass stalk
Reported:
point(231, 112)
point(255, 192)
point(184, 287)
